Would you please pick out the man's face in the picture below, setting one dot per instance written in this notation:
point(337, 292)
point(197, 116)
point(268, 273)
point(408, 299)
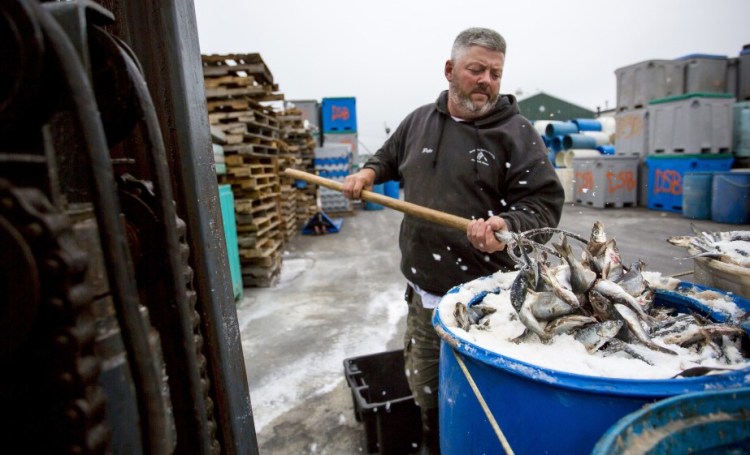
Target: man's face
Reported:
point(474, 82)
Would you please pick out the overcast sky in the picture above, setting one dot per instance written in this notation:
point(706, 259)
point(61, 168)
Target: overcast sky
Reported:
point(390, 54)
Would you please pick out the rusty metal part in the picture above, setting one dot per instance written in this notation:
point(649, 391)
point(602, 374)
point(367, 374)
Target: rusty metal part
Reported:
point(154, 419)
point(194, 421)
point(164, 36)
point(151, 216)
point(50, 378)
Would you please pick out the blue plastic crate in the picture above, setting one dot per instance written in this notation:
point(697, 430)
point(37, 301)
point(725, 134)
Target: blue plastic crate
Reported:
point(665, 174)
point(339, 115)
point(226, 200)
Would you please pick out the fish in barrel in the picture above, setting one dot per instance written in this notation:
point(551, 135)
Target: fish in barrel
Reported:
point(582, 288)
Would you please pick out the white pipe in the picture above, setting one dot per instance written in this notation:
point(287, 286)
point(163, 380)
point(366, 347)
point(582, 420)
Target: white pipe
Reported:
point(608, 124)
point(601, 137)
point(572, 154)
point(560, 158)
point(541, 126)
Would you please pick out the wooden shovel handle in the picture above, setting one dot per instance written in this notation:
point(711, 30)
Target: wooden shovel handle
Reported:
point(436, 216)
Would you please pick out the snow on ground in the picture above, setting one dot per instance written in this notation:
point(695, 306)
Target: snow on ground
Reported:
point(319, 369)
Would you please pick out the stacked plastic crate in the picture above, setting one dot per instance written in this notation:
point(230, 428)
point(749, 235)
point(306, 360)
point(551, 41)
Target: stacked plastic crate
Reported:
point(339, 123)
point(673, 116)
point(334, 160)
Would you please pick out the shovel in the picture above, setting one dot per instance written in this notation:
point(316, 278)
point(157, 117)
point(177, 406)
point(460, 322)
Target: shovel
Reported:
point(436, 216)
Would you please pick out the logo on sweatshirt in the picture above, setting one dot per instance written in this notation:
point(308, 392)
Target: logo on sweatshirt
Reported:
point(481, 156)
point(426, 150)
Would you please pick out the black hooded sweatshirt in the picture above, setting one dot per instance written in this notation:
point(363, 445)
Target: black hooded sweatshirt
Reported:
point(495, 165)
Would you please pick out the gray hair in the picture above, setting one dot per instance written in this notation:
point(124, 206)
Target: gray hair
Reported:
point(476, 36)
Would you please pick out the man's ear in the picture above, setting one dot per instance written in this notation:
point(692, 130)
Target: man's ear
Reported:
point(449, 69)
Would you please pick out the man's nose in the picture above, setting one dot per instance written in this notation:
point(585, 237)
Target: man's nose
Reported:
point(484, 78)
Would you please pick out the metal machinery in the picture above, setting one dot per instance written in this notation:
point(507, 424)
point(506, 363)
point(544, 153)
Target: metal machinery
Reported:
point(118, 332)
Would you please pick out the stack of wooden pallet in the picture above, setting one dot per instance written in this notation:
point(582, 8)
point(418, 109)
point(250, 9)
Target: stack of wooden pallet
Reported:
point(300, 145)
point(236, 85)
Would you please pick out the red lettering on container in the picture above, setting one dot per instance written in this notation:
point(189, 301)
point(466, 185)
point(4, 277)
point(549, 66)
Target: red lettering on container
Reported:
point(667, 181)
point(339, 113)
point(585, 181)
point(623, 180)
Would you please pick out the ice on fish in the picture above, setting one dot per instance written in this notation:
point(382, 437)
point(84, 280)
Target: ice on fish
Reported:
point(615, 331)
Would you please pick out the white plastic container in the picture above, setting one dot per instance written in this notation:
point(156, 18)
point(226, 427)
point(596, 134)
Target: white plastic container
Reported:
point(692, 123)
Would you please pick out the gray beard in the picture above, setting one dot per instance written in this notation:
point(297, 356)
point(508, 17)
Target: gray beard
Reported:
point(466, 103)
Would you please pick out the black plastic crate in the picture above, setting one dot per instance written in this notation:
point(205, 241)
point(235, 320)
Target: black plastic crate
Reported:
point(383, 402)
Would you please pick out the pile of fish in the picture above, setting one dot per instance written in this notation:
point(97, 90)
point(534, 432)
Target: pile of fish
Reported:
point(604, 304)
point(732, 247)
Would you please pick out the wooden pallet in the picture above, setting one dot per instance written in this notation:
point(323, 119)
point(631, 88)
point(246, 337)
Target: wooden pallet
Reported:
point(248, 116)
point(257, 207)
point(238, 65)
point(252, 91)
point(262, 253)
point(251, 149)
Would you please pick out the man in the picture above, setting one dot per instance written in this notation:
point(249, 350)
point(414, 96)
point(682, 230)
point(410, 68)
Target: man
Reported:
point(473, 155)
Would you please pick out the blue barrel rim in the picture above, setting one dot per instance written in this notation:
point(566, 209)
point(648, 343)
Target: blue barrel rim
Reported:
point(609, 439)
point(723, 175)
point(590, 384)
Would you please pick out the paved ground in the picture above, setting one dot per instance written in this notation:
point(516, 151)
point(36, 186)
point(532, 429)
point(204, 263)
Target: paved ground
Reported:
point(340, 296)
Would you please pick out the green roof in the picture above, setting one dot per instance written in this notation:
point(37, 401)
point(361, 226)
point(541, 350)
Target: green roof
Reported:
point(546, 107)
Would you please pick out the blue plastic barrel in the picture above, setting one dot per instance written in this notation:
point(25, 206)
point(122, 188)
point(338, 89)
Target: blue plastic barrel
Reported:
point(699, 422)
point(730, 198)
point(606, 149)
point(540, 410)
point(560, 129)
point(392, 189)
point(588, 124)
point(578, 141)
point(380, 189)
point(696, 195)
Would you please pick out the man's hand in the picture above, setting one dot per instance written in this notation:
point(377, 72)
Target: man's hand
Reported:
point(481, 234)
point(355, 183)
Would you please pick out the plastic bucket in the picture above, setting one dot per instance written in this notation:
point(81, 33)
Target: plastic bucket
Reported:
point(700, 422)
point(380, 189)
point(696, 195)
point(392, 189)
point(539, 410)
point(730, 198)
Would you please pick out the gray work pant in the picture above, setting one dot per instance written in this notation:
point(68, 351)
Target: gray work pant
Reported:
point(421, 352)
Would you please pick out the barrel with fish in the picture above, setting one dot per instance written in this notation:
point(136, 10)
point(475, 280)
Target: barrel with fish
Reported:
point(548, 358)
